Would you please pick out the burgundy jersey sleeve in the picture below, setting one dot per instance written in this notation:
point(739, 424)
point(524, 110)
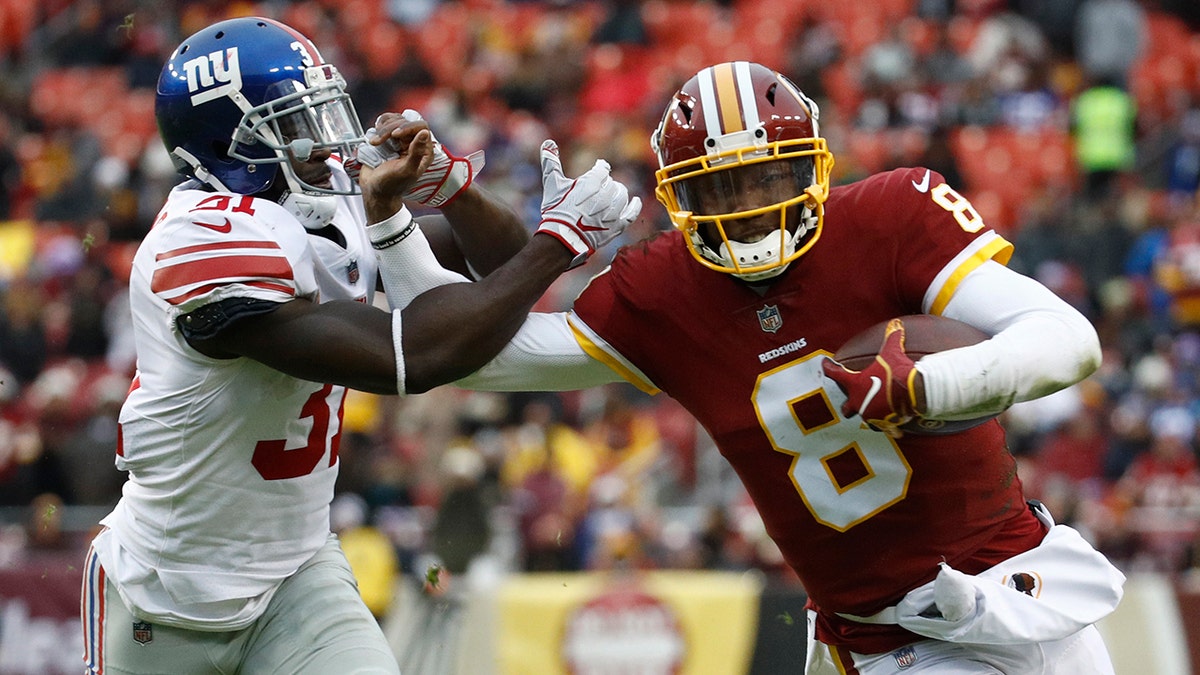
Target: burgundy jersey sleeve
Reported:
point(924, 231)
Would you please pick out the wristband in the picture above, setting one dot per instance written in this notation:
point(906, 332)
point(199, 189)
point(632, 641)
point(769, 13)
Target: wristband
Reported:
point(395, 229)
point(409, 267)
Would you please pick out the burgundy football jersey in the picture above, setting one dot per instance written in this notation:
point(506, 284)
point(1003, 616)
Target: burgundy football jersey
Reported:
point(860, 517)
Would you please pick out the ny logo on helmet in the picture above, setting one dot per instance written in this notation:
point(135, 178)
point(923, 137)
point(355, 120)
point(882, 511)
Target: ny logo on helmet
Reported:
point(205, 71)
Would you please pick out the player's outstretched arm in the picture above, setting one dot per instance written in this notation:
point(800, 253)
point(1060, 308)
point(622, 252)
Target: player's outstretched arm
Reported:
point(446, 332)
point(471, 323)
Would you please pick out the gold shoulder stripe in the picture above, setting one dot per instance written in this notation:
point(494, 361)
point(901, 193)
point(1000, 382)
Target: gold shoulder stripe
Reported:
point(597, 352)
point(998, 249)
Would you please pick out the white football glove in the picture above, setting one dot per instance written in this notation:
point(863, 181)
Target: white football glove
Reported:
point(583, 213)
point(444, 179)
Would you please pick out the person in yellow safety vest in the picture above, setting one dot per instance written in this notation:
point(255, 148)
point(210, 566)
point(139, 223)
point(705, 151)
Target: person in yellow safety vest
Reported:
point(1103, 126)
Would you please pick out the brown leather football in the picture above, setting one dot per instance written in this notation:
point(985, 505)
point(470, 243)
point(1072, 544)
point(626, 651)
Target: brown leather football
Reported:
point(923, 334)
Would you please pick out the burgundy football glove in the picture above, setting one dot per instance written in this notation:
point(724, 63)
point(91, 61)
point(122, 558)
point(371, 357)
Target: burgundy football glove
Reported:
point(882, 393)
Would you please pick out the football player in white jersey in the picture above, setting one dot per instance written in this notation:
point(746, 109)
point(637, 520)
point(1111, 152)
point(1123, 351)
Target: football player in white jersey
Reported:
point(252, 308)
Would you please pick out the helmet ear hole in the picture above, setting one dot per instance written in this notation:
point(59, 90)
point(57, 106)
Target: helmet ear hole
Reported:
point(221, 152)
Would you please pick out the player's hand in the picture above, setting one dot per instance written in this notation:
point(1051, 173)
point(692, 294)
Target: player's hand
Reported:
point(583, 213)
point(403, 159)
point(884, 392)
point(443, 178)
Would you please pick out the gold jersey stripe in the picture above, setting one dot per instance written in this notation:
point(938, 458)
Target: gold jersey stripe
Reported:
point(597, 352)
point(998, 248)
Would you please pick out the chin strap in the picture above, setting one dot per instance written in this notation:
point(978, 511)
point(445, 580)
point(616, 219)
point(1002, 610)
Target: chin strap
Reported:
point(183, 160)
point(762, 248)
point(313, 211)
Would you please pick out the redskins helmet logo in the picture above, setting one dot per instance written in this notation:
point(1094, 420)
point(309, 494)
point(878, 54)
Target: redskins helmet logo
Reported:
point(1029, 583)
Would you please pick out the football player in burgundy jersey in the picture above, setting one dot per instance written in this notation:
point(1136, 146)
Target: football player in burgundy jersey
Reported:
point(252, 308)
point(908, 545)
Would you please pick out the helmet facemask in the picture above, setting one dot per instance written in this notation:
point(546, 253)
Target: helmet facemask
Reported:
point(753, 218)
point(297, 120)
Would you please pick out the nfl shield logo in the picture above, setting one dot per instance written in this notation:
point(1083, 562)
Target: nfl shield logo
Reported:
point(769, 319)
point(352, 271)
point(142, 632)
point(905, 657)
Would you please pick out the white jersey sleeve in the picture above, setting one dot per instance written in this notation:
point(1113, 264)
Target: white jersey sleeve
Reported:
point(210, 247)
point(543, 356)
point(1039, 345)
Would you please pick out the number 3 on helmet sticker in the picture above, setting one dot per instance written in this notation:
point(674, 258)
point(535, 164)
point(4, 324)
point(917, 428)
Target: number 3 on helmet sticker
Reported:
point(946, 197)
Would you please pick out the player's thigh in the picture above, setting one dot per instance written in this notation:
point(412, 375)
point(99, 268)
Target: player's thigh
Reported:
point(117, 643)
point(1083, 652)
point(928, 657)
point(317, 624)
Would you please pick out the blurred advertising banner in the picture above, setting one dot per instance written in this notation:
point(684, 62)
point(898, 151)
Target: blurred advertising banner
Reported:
point(643, 623)
point(39, 616)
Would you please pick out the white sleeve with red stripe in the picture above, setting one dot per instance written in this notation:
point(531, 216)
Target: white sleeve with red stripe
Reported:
point(212, 247)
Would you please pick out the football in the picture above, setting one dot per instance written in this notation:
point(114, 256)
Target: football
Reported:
point(923, 334)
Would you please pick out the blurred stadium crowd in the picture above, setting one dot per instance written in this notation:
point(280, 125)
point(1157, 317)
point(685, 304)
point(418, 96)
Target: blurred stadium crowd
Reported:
point(1073, 126)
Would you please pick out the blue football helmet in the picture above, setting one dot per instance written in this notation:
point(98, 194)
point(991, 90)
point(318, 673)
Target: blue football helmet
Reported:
point(238, 99)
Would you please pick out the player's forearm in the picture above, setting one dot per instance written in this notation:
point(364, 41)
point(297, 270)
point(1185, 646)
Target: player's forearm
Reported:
point(543, 356)
point(452, 330)
point(487, 231)
point(1040, 345)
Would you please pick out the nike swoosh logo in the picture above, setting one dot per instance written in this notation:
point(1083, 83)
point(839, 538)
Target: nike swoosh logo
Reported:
point(587, 228)
point(923, 186)
point(875, 386)
point(223, 229)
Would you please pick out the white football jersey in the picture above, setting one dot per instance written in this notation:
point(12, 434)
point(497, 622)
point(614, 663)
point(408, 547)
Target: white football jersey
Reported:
point(231, 463)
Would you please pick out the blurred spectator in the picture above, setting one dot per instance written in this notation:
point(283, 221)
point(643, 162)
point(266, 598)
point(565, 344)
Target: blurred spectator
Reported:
point(1176, 268)
point(461, 529)
point(1069, 463)
point(369, 551)
point(944, 65)
point(32, 462)
point(87, 301)
point(1183, 162)
point(1028, 102)
point(22, 335)
point(10, 170)
point(1056, 19)
point(1109, 37)
point(622, 24)
point(89, 450)
point(547, 521)
point(1162, 491)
